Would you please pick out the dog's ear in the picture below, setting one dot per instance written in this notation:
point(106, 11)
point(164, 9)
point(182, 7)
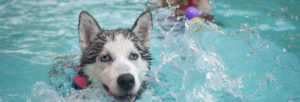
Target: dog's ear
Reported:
point(88, 29)
point(143, 28)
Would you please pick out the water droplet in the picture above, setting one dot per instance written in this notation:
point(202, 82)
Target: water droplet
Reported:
point(270, 76)
point(278, 58)
point(282, 9)
point(208, 75)
point(214, 54)
point(284, 50)
point(292, 17)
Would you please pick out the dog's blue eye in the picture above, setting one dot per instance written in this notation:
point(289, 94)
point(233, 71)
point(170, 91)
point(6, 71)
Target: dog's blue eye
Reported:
point(133, 56)
point(105, 58)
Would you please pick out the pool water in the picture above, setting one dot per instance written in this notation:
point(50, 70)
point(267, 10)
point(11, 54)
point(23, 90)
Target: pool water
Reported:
point(253, 57)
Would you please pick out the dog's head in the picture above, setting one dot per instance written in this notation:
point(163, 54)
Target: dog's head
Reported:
point(118, 59)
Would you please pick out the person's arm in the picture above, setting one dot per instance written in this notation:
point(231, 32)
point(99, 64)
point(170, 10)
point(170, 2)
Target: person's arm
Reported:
point(202, 5)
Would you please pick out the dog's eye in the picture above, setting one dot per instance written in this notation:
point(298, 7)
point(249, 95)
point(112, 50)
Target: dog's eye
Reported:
point(133, 56)
point(105, 58)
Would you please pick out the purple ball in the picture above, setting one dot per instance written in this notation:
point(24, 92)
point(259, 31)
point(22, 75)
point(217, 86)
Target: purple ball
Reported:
point(191, 12)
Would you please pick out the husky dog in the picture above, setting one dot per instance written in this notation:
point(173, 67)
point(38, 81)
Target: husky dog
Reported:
point(117, 59)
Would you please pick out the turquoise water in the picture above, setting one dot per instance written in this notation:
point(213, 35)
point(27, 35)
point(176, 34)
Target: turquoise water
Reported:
point(254, 57)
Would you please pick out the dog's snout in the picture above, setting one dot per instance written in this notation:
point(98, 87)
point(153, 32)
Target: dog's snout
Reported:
point(126, 82)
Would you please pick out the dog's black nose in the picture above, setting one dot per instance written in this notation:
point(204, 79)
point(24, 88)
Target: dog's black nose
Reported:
point(126, 82)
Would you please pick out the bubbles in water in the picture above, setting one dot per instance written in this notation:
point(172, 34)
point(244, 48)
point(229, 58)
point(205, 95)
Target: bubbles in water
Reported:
point(43, 93)
point(270, 76)
point(201, 93)
point(297, 19)
point(267, 46)
point(278, 59)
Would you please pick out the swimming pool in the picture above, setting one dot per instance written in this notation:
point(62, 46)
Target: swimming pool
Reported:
point(254, 57)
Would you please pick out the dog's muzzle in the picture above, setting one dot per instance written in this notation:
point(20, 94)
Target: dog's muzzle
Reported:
point(126, 82)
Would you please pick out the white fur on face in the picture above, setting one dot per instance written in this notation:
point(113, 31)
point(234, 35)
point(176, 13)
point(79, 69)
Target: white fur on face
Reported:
point(107, 73)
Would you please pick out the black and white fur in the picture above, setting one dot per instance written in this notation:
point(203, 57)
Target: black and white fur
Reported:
point(118, 59)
